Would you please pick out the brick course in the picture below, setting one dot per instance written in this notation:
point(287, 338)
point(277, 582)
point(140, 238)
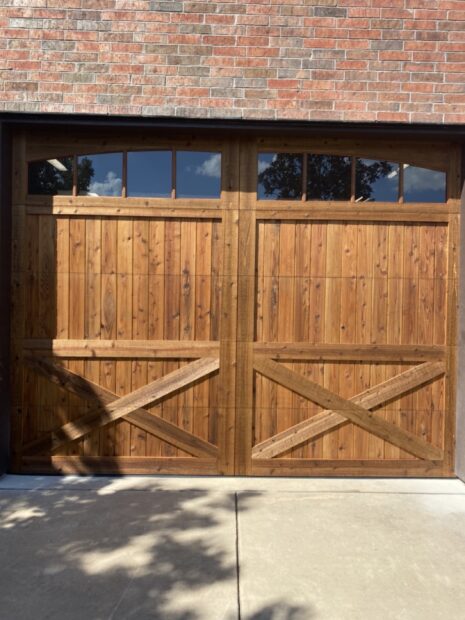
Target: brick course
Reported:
point(363, 60)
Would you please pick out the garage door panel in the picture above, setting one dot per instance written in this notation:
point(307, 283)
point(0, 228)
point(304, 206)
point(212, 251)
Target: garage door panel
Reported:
point(418, 412)
point(386, 295)
point(106, 294)
point(312, 310)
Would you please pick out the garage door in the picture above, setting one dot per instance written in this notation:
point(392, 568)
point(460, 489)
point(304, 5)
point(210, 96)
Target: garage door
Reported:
point(201, 306)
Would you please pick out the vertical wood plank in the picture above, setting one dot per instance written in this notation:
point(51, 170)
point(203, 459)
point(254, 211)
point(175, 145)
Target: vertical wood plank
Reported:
point(302, 316)
point(108, 309)
point(77, 305)
point(332, 321)
point(269, 402)
point(454, 190)
point(156, 321)
point(347, 329)
point(227, 424)
point(410, 316)
point(188, 248)
point(286, 330)
point(246, 308)
point(172, 297)
point(124, 299)
point(439, 329)
point(202, 294)
point(451, 341)
point(424, 402)
point(394, 318)
point(363, 318)
point(140, 321)
point(379, 317)
point(92, 322)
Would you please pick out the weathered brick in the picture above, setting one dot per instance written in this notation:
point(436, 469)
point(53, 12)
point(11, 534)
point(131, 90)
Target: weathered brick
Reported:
point(329, 11)
point(170, 6)
point(328, 59)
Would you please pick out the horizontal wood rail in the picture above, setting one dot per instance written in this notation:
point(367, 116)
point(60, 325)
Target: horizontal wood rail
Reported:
point(348, 467)
point(439, 214)
point(87, 465)
point(111, 407)
point(330, 420)
point(124, 349)
point(109, 201)
point(352, 352)
point(351, 409)
point(91, 210)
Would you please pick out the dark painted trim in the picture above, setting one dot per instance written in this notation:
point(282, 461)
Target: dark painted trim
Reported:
point(5, 296)
point(238, 125)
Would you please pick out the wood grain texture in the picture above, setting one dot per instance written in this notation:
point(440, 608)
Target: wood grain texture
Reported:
point(123, 349)
point(348, 296)
point(245, 310)
point(329, 420)
point(122, 465)
point(357, 414)
point(226, 427)
point(120, 407)
point(92, 392)
point(137, 399)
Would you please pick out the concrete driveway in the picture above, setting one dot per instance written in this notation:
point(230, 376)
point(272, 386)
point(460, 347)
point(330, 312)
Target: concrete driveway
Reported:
point(211, 548)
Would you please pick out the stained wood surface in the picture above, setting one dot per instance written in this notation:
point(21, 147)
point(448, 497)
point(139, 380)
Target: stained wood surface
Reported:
point(127, 349)
point(334, 323)
point(329, 420)
point(94, 393)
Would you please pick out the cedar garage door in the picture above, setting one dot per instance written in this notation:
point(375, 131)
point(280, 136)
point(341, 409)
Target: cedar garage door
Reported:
point(265, 307)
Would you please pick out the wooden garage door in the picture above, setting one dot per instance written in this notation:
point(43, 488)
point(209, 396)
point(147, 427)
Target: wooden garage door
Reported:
point(250, 333)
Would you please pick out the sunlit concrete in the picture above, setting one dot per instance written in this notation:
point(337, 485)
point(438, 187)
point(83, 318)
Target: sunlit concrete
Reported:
point(165, 547)
point(377, 554)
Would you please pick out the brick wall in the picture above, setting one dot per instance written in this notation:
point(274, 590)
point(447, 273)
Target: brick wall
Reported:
point(364, 60)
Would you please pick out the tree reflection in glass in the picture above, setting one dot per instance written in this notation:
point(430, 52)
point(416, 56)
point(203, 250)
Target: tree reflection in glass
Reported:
point(376, 180)
point(51, 177)
point(328, 177)
point(100, 175)
point(279, 176)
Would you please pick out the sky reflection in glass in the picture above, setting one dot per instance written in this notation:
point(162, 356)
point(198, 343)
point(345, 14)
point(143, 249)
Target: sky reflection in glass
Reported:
point(149, 173)
point(100, 175)
point(424, 185)
point(198, 174)
point(376, 180)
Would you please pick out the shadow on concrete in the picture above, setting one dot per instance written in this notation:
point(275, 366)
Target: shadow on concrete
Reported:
point(108, 551)
point(282, 611)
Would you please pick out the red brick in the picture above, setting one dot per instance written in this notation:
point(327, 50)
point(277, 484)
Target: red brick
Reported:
point(283, 83)
point(354, 60)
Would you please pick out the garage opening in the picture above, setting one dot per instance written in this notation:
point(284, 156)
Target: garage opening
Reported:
point(232, 305)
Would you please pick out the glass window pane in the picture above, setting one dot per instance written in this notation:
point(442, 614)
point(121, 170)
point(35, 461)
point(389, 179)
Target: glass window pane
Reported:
point(100, 175)
point(198, 174)
point(279, 176)
point(376, 180)
point(149, 173)
point(328, 177)
point(51, 176)
point(424, 185)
